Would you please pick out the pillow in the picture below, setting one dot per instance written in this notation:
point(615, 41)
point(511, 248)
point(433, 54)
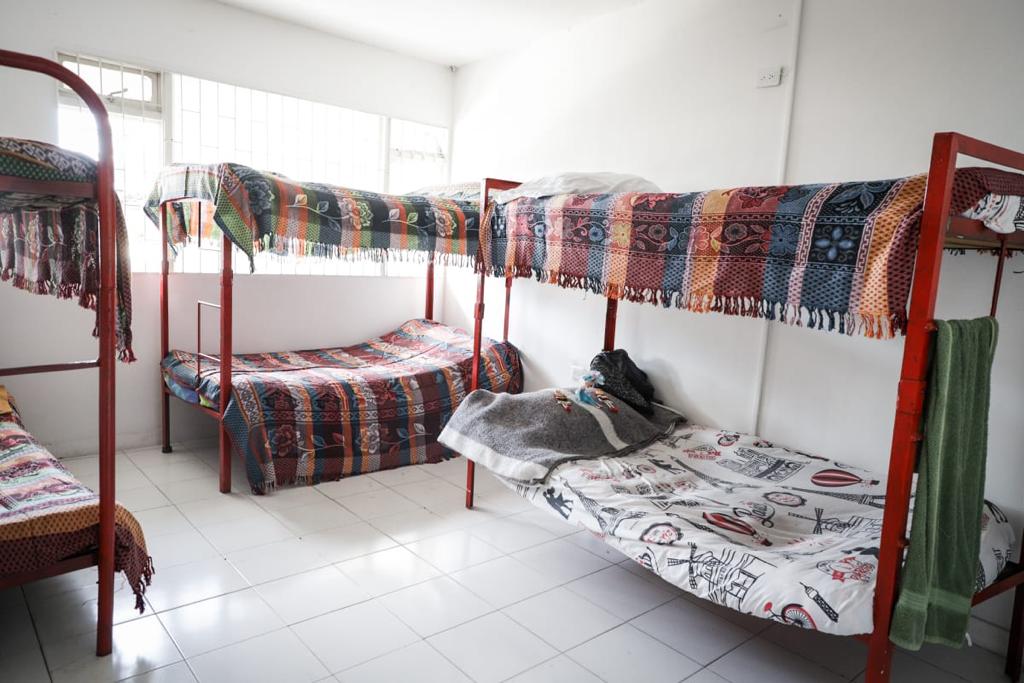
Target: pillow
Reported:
point(577, 183)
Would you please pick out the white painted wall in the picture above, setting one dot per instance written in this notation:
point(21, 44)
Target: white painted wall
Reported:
point(647, 90)
point(210, 40)
point(665, 89)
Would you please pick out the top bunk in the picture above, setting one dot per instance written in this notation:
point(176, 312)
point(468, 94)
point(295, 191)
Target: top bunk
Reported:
point(837, 256)
point(261, 211)
point(59, 214)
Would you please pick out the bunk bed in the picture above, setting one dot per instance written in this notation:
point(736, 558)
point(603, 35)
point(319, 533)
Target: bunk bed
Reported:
point(317, 415)
point(61, 233)
point(845, 257)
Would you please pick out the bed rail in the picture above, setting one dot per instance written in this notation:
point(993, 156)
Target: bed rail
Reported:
point(907, 437)
point(939, 231)
point(103, 192)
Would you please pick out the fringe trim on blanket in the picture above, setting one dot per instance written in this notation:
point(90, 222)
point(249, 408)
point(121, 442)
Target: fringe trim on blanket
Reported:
point(70, 290)
point(875, 326)
point(295, 247)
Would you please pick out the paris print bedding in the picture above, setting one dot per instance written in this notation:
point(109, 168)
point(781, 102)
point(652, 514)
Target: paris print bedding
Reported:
point(760, 529)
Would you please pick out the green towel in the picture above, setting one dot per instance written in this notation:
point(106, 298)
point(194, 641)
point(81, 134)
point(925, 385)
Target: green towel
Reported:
point(938, 579)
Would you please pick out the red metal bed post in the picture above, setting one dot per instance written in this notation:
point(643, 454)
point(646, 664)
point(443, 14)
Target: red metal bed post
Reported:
point(106, 307)
point(474, 382)
point(226, 278)
point(508, 303)
point(611, 314)
point(105, 310)
point(486, 186)
point(913, 384)
point(428, 310)
point(165, 394)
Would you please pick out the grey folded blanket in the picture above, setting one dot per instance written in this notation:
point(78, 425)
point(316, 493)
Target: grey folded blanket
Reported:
point(524, 436)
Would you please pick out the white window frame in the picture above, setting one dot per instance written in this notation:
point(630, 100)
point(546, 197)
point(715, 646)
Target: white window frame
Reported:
point(162, 108)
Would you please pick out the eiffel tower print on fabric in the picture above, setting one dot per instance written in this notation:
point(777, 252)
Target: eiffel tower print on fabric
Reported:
point(875, 500)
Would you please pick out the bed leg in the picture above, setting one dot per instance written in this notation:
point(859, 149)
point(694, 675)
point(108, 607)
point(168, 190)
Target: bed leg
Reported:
point(165, 421)
point(225, 460)
point(879, 659)
point(105, 610)
point(470, 481)
point(1016, 646)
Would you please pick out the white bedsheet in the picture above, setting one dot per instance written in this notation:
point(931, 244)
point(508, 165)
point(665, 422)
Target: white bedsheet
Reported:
point(734, 519)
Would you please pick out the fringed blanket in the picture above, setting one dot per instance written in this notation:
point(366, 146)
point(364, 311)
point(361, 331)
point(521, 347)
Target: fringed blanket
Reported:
point(50, 244)
point(46, 515)
point(839, 255)
point(261, 211)
point(310, 416)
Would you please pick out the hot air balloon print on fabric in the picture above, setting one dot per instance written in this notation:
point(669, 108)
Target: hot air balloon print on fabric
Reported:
point(834, 478)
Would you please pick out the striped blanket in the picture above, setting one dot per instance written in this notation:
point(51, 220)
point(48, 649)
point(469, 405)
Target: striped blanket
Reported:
point(837, 254)
point(311, 416)
point(46, 515)
point(50, 244)
point(261, 211)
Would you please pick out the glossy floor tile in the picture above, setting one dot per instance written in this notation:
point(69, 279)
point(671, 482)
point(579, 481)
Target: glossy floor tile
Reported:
point(388, 578)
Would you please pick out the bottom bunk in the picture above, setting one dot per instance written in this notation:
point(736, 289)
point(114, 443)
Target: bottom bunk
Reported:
point(736, 520)
point(49, 521)
point(319, 415)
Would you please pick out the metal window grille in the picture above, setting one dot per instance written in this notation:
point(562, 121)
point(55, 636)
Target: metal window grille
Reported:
point(166, 117)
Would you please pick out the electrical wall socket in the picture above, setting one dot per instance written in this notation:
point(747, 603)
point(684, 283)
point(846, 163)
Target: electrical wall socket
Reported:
point(770, 77)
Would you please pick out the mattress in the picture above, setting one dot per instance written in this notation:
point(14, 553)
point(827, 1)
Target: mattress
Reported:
point(46, 515)
point(736, 520)
point(310, 416)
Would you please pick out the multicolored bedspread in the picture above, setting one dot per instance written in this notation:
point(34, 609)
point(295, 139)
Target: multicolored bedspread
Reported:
point(264, 211)
point(839, 255)
point(311, 416)
point(46, 515)
point(50, 244)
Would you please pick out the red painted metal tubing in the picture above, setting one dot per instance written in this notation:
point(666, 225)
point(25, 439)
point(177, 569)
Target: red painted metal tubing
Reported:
point(105, 322)
point(50, 367)
point(611, 315)
point(165, 397)
point(428, 309)
point(508, 303)
point(486, 186)
point(226, 302)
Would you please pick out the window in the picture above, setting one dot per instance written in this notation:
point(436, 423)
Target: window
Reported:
point(159, 118)
point(133, 99)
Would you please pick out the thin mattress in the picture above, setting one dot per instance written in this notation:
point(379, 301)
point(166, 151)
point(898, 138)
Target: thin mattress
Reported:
point(47, 515)
point(318, 415)
point(736, 520)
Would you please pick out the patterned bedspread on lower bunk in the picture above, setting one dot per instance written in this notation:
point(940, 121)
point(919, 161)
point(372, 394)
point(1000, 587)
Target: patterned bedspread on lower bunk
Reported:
point(310, 416)
point(46, 515)
point(760, 529)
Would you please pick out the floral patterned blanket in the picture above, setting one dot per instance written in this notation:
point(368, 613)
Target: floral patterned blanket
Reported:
point(263, 211)
point(50, 244)
point(311, 416)
point(839, 255)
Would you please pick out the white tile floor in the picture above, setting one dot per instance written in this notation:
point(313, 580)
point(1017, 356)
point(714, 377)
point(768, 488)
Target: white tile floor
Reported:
point(386, 577)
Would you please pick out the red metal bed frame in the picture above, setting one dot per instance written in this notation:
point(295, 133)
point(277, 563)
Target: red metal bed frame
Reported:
point(938, 231)
point(226, 316)
point(103, 192)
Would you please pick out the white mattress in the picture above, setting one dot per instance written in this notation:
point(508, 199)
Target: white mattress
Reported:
point(733, 519)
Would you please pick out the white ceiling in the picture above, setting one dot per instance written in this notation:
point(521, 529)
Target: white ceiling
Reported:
point(449, 32)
